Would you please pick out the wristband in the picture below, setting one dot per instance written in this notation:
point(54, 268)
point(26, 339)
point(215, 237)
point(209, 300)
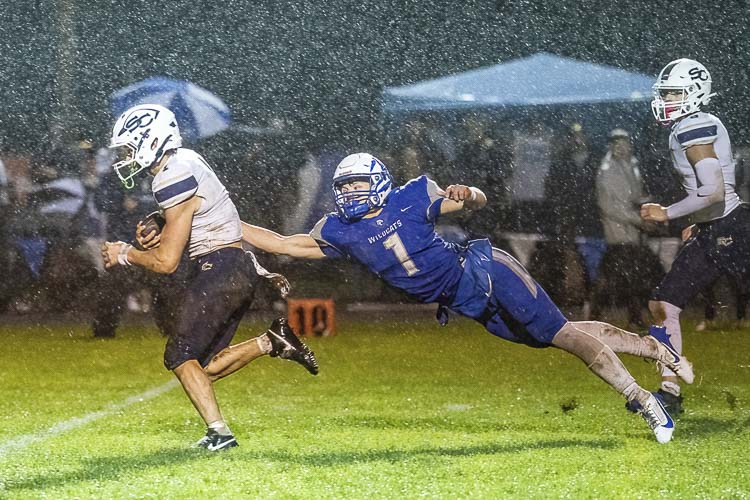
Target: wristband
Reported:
point(122, 256)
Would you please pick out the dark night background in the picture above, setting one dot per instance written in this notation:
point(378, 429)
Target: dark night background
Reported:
point(322, 65)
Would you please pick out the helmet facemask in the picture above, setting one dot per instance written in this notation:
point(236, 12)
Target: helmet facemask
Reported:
point(125, 165)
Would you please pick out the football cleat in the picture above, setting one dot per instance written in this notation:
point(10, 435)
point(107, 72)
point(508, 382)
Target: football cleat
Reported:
point(671, 358)
point(286, 345)
point(657, 418)
point(213, 441)
point(671, 403)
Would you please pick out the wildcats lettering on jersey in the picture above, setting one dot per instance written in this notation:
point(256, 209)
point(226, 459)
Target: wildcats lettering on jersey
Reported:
point(399, 244)
point(386, 232)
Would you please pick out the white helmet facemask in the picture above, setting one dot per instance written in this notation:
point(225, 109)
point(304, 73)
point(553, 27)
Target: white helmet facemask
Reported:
point(140, 138)
point(681, 88)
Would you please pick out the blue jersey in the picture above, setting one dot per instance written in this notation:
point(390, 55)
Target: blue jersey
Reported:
point(399, 244)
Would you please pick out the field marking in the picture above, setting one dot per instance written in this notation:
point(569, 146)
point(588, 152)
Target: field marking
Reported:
point(21, 442)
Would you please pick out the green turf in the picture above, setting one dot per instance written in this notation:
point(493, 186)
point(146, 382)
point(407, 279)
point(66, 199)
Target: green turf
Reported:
point(399, 410)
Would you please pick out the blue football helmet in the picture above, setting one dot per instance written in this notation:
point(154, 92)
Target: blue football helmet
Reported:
point(353, 205)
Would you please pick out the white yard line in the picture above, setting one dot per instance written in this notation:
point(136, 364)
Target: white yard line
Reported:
point(21, 442)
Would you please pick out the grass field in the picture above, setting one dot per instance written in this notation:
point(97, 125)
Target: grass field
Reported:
point(399, 410)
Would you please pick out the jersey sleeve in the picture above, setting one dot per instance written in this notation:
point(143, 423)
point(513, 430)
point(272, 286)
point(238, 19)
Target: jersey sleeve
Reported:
point(423, 191)
point(175, 185)
point(696, 129)
point(435, 200)
point(317, 233)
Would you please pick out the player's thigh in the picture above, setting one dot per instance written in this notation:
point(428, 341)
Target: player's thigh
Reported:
point(501, 324)
point(692, 271)
point(523, 299)
point(731, 245)
point(214, 302)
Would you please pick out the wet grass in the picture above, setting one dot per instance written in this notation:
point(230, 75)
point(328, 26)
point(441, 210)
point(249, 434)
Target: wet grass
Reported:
point(400, 410)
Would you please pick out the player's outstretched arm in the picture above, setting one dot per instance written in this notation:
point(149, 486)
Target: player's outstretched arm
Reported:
point(459, 196)
point(298, 245)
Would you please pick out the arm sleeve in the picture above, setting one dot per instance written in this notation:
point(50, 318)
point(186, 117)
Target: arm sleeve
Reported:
point(710, 190)
point(435, 200)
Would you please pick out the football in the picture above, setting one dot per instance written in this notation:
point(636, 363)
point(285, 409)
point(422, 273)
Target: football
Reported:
point(153, 222)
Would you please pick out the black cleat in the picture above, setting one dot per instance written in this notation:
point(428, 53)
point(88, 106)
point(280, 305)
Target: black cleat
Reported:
point(670, 402)
point(286, 345)
point(213, 441)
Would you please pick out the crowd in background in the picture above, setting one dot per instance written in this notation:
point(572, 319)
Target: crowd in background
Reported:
point(578, 197)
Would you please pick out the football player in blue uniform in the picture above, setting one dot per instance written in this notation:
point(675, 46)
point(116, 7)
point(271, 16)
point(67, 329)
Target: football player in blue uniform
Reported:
point(201, 217)
point(719, 241)
point(391, 230)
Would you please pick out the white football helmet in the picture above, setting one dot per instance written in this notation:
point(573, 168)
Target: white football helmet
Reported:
point(140, 138)
point(352, 205)
point(688, 78)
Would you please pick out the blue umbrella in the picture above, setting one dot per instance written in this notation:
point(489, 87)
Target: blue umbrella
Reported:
point(199, 112)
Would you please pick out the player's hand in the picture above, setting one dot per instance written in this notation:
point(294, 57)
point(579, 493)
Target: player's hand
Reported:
point(653, 212)
point(147, 241)
point(458, 192)
point(687, 232)
point(110, 251)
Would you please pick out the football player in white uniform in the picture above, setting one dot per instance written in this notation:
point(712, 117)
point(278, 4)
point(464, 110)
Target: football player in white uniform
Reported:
point(718, 242)
point(199, 215)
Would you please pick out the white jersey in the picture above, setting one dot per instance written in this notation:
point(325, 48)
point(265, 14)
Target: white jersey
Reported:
point(704, 128)
point(216, 223)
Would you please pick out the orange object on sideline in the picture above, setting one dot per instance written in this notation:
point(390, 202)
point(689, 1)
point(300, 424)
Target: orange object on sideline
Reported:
point(311, 317)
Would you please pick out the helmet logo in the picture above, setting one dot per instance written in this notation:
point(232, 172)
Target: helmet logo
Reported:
point(139, 121)
point(698, 74)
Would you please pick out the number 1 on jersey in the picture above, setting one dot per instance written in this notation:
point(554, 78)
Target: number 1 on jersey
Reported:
point(393, 242)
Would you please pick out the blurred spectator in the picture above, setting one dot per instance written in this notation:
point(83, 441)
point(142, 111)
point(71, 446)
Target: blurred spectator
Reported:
point(485, 157)
point(47, 228)
point(532, 158)
point(570, 195)
point(629, 269)
point(427, 149)
point(314, 198)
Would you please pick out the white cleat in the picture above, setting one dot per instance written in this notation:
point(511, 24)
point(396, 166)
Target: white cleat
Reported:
point(674, 360)
point(657, 418)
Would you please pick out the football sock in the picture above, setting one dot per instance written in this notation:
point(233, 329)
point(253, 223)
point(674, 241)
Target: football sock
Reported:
point(621, 341)
point(672, 322)
point(599, 358)
point(636, 392)
point(264, 343)
point(670, 387)
point(220, 427)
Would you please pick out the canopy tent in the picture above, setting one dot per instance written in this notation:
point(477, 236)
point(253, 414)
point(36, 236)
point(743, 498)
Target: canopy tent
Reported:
point(529, 102)
point(540, 79)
